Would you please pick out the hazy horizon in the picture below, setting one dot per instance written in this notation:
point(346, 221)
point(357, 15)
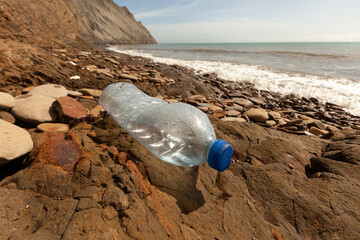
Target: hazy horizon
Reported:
point(242, 21)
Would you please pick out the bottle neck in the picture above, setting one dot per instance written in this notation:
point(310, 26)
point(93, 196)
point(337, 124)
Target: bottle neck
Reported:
point(206, 153)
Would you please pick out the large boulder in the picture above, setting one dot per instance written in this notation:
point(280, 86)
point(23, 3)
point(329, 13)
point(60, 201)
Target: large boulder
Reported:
point(14, 142)
point(34, 108)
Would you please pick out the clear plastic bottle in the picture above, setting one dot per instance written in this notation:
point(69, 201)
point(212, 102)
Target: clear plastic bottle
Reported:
point(176, 133)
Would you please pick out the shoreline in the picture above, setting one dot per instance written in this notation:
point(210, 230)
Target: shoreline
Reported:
point(311, 107)
point(338, 89)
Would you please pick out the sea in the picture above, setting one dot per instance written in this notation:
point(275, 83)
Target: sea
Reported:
point(328, 71)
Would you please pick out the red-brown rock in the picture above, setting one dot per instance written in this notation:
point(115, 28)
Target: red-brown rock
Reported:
point(68, 109)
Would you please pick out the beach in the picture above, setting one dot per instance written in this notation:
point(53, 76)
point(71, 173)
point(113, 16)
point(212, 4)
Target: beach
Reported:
point(69, 171)
point(327, 71)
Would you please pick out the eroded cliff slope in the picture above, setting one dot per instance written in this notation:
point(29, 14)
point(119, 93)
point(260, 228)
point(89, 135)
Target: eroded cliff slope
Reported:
point(106, 22)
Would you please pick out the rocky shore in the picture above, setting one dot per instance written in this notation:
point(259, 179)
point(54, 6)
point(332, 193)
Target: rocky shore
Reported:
point(69, 172)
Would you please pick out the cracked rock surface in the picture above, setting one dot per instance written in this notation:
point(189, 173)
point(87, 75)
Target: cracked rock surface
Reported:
point(286, 187)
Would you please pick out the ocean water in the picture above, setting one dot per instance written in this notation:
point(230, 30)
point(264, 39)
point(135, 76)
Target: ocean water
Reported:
point(327, 71)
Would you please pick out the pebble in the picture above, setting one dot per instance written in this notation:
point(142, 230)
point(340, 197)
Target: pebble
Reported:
point(293, 122)
point(257, 114)
point(74, 93)
point(219, 113)
point(232, 113)
point(128, 76)
point(14, 142)
point(243, 102)
point(171, 100)
point(197, 98)
point(97, 110)
point(204, 109)
point(7, 117)
point(235, 107)
point(6, 100)
point(76, 77)
point(258, 101)
point(90, 92)
point(233, 119)
point(318, 124)
point(270, 123)
point(331, 128)
point(50, 90)
point(68, 108)
point(317, 131)
point(34, 108)
point(213, 107)
point(27, 89)
point(53, 127)
point(275, 115)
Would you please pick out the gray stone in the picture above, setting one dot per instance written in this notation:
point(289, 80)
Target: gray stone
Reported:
point(14, 142)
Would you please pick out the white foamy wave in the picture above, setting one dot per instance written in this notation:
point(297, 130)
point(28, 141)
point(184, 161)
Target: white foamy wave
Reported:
point(341, 91)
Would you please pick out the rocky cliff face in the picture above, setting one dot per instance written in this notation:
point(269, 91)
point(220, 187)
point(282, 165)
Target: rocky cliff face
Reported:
point(106, 22)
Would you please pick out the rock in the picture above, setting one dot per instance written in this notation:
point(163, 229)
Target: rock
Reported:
point(49, 90)
point(171, 100)
point(116, 198)
point(232, 113)
point(243, 102)
point(293, 122)
point(204, 109)
point(60, 150)
point(34, 108)
point(270, 123)
point(7, 117)
point(219, 113)
point(53, 127)
point(128, 76)
point(317, 123)
point(76, 77)
point(275, 115)
point(317, 131)
point(68, 109)
point(303, 117)
point(14, 142)
point(156, 80)
point(74, 93)
point(328, 127)
point(90, 92)
point(27, 89)
point(97, 110)
point(257, 114)
point(197, 98)
point(235, 107)
point(257, 101)
point(6, 100)
point(213, 107)
point(233, 119)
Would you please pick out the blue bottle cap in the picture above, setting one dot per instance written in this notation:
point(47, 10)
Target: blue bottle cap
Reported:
point(220, 155)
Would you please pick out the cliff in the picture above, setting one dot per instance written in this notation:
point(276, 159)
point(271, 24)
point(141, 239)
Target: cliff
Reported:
point(106, 22)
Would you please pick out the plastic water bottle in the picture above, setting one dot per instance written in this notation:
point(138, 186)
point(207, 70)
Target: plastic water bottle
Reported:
point(176, 133)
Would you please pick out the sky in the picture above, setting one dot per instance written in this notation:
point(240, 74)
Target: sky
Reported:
point(209, 21)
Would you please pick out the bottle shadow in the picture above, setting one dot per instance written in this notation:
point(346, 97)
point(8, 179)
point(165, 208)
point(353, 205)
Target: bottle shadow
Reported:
point(179, 182)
